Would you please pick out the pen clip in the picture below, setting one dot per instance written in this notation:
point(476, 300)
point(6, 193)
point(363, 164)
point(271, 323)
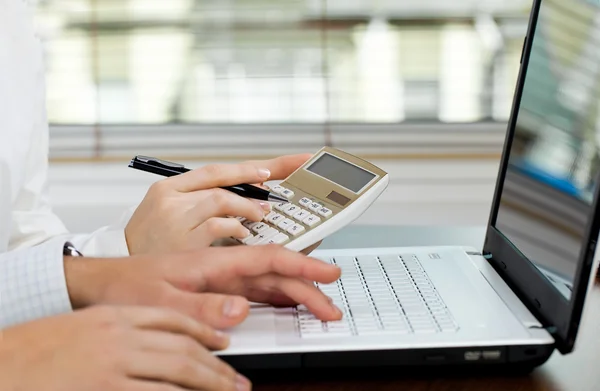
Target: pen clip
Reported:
point(158, 162)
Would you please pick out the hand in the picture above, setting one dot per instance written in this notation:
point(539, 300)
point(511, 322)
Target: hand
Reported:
point(189, 211)
point(115, 349)
point(268, 274)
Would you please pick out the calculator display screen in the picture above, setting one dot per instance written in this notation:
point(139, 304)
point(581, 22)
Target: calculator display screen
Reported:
point(341, 172)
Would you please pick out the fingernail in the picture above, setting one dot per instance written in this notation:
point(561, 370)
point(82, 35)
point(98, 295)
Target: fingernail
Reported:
point(245, 233)
point(242, 384)
point(265, 206)
point(222, 336)
point(336, 310)
point(330, 300)
point(233, 308)
point(264, 173)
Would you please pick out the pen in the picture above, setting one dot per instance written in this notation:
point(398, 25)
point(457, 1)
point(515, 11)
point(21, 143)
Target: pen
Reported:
point(168, 169)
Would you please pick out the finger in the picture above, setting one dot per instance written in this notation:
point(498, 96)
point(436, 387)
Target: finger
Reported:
point(275, 299)
point(218, 175)
point(300, 292)
point(180, 370)
point(176, 322)
point(264, 205)
point(159, 342)
point(216, 228)
point(215, 310)
point(220, 203)
point(252, 261)
point(262, 186)
point(144, 385)
point(271, 297)
point(283, 166)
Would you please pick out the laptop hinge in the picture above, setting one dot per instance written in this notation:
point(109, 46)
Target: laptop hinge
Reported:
point(487, 256)
point(529, 324)
point(512, 301)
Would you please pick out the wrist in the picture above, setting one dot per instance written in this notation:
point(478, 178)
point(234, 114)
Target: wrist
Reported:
point(75, 274)
point(85, 280)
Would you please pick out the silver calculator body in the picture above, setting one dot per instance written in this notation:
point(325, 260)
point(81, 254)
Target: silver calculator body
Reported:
point(328, 192)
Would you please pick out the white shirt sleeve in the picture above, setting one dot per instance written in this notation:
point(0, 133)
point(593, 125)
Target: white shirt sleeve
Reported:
point(32, 277)
point(106, 242)
point(33, 221)
point(32, 284)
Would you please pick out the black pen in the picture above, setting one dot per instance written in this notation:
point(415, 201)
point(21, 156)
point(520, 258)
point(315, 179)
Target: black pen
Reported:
point(168, 169)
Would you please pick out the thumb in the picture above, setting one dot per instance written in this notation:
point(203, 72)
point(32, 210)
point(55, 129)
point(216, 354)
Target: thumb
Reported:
point(216, 310)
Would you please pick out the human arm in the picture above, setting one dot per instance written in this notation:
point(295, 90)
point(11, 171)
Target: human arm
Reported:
point(115, 349)
point(183, 213)
point(213, 285)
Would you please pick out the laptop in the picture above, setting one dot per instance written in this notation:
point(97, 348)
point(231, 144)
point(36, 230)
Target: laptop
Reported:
point(514, 301)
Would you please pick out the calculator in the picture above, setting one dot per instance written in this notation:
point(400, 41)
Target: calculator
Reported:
point(328, 192)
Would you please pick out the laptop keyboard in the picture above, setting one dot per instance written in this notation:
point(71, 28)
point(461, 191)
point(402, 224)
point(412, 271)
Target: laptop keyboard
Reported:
point(388, 294)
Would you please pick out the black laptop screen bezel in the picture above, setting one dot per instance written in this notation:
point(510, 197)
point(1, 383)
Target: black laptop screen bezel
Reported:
point(557, 313)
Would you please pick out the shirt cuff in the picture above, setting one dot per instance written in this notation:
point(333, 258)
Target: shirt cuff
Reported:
point(33, 284)
point(110, 243)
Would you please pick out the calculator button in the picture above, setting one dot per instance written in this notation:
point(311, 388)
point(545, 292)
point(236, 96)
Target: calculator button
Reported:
point(269, 216)
point(295, 229)
point(282, 205)
point(265, 235)
point(325, 212)
point(285, 224)
point(240, 219)
point(305, 202)
point(275, 219)
point(278, 239)
point(270, 238)
point(311, 220)
point(246, 239)
point(291, 210)
point(315, 206)
point(277, 189)
point(301, 215)
point(249, 224)
point(287, 193)
point(258, 228)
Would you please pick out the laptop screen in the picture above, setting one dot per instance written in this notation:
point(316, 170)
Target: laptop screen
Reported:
point(553, 163)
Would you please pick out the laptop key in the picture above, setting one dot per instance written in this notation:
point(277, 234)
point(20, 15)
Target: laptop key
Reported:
point(384, 295)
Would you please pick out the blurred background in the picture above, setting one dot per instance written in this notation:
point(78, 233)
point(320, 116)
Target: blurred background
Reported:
point(422, 88)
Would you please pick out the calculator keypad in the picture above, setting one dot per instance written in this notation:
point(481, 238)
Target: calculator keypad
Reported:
point(286, 221)
point(287, 193)
point(311, 220)
point(291, 210)
point(250, 224)
point(325, 212)
point(285, 224)
point(314, 206)
point(278, 239)
point(281, 205)
point(277, 189)
point(296, 229)
point(301, 215)
point(247, 238)
point(258, 228)
point(304, 202)
point(275, 219)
